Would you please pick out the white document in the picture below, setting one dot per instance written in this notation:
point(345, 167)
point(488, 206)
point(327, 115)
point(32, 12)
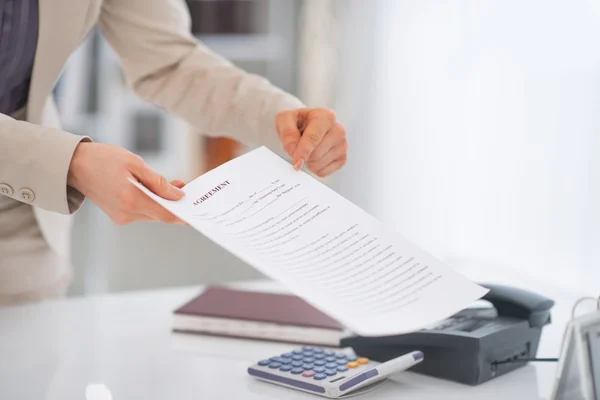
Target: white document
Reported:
point(325, 249)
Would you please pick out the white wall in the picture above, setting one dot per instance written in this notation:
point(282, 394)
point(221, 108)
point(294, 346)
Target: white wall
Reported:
point(483, 143)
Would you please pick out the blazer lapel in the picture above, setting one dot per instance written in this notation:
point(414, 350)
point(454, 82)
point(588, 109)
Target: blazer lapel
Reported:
point(62, 26)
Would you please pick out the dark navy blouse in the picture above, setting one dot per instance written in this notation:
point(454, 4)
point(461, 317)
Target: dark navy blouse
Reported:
point(18, 41)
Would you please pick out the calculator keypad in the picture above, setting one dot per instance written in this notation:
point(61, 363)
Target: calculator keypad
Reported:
point(313, 363)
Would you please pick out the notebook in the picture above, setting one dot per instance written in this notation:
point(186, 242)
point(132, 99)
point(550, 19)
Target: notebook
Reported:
point(257, 315)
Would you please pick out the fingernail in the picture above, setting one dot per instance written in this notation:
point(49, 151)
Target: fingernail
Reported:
point(299, 164)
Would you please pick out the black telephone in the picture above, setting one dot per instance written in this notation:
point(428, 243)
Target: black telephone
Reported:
point(474, 345)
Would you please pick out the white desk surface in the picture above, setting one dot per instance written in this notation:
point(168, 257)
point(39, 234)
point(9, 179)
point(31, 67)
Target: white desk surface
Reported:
point(54, 350)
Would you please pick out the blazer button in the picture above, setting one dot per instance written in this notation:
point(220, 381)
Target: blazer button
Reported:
point(27, 195)
point(5, 189)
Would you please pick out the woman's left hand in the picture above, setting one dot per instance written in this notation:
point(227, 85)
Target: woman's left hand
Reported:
point(313, 137)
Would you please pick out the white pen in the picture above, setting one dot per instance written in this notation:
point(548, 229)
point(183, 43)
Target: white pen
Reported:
point(380, 372)
point(401, 363)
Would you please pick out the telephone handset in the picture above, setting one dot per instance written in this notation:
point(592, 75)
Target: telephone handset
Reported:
point(519, 303)
point(474, 345)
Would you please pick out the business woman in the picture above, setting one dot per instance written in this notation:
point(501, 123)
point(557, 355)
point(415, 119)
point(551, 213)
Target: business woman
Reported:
point(46, 173)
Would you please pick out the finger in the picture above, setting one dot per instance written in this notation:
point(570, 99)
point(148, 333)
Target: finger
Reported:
point(317, 127)
point(335, 136)
point(151, 209)
point(178, 184)
point(338, 152)
point(142, 218)
point(137, 217)
point(157, 183)
point(171, 219)
point(134, 203)
point(287, 126)
point(126, 218)
point(331, 168)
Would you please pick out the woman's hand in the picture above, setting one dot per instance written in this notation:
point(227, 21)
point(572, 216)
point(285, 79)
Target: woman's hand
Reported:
point(102, 171)
point(313, 137)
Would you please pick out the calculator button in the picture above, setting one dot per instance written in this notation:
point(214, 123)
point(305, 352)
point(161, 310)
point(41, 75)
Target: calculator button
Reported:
point(264, 363)
point(308, 374)
point(297, 370)
point(340, 355)
point(342, 368)
point(319, 356)
point(274, 365)
point(330, 372)
point(319, 369)
point(352, 364)
point(307, 348)
point(308, 366)
point(342, 361)
point(351, 358)
point(297, 351)
point(331, 365)
point(320, 376)
point(330, 359)
point(297, 357)
point(328, 353)
point(286, 367)
point(287, 355)
point(307, 353)
point(309, 359)
point(317, 350)
point(362, 361)
point(285, 360)
point(277, 359)
point(320, 362)
point(297, 363)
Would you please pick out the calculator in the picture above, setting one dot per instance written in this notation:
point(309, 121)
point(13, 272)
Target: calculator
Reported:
point(332, 374)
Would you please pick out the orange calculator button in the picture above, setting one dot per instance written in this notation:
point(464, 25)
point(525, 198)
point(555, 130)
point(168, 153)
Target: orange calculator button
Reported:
point(362, 361)
point(352, 364)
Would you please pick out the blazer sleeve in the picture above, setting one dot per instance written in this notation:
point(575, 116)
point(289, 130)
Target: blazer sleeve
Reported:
point(34, 164)
point(167, 66)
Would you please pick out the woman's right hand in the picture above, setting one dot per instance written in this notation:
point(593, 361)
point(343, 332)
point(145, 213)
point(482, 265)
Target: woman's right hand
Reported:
point(102, 172)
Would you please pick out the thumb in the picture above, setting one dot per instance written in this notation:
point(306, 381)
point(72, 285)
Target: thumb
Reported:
point(159, 184)
point(287, 126)
point(178, 183)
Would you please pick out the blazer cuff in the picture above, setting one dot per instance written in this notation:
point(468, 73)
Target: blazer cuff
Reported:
point(34, 165)
point(54, 194)
point(67, 199)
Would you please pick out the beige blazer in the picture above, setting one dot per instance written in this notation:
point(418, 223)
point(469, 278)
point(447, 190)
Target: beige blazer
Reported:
point(163, 64)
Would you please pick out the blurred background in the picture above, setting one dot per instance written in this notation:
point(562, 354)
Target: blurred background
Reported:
point(474, 130)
